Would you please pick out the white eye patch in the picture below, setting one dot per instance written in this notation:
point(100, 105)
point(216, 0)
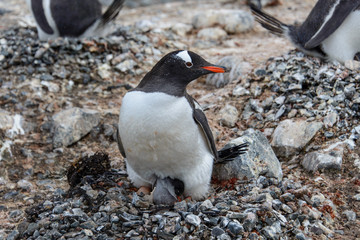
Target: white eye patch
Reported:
point(184, 55)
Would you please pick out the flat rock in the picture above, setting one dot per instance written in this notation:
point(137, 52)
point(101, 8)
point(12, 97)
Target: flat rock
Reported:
point(291, 136)
point(72, 124)
point(232, 21)
point(259, 159)
point(329, 158)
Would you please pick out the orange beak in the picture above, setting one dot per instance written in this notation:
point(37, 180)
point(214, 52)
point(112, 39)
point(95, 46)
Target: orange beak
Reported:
point(215, 69)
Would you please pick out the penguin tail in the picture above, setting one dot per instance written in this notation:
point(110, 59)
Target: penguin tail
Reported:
point(269, 22)
point(229, 154)
point(112, 12)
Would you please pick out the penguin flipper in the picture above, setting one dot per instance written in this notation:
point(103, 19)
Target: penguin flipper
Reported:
point(120, 145)
point(339, 14)
point(112, 12)
point(201, 120)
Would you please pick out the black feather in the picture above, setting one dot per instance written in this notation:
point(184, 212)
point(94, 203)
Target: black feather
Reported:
point(230, 153)
point(112, 11)
point(268, 22)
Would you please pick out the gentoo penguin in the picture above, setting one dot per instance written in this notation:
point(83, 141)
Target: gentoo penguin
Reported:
point(331, 31)
point(164, 135)
point(72, 18)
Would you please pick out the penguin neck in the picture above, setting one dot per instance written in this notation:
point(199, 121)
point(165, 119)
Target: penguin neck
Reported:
point(169, 85)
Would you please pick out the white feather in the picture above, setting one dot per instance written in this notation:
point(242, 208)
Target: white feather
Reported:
point(184, 55)
point(161, 139)
point(344, 43)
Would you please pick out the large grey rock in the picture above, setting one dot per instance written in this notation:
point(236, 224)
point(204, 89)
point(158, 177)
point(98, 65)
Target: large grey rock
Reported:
point(237, 68)
point(232, 21)
point(329, 158)
point(291, 136)
point(72, 124)
point(259, 159)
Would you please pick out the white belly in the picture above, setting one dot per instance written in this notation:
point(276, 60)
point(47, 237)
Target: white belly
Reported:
point(161, 139)
point(344, 43)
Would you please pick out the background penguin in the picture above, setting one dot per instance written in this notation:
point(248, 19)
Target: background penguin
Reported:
point(331, 31)
point(163, 133)
point(72, 18)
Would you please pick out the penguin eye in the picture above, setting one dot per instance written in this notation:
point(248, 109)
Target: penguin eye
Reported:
point(189, 64)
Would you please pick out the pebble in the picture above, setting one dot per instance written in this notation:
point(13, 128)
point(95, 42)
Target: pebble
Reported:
point(329, 158)
point(72, 124)
point(291, 136)
point(350, 215)
point(228, 116)
point(193, 220)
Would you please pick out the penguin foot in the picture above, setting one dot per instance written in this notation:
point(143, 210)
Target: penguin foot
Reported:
point(144, 190)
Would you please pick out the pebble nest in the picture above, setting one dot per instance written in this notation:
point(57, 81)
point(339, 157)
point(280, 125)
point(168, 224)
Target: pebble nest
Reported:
point(38, 79)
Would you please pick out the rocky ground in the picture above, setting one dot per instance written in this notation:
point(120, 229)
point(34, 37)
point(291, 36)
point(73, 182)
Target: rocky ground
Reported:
point(62, 176)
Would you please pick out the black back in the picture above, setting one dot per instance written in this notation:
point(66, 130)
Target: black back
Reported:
point(73, 17)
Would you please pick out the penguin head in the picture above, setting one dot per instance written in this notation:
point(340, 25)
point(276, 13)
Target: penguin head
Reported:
point(183, 66)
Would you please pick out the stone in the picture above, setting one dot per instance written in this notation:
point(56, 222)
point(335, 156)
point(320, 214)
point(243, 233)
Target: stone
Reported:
point(350, 215)
point(236, 21)
point(205, 19)
point(356, 197)
point(5, 151)
point(233, 21)
point(228, 116)
point(212, 34)
point(258, 160)
point(239, 91)
point(126, 66)
point(72, 124)
point(193, 220)
point(181, 29)
point(216, 231)
point(330, 119)
point(329, 158)
point(6, 120)
point(270, 233)
point(291, 136)
point(250, 221)
point(235, 228)
point(352, 64)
